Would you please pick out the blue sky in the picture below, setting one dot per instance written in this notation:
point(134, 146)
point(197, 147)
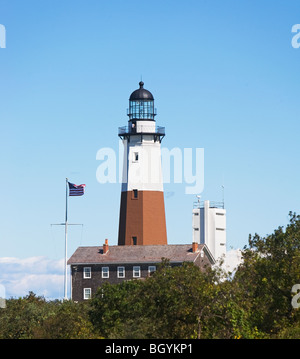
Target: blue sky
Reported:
point(224, 76)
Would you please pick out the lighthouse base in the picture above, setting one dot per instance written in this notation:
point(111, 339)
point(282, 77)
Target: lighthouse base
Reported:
point(142, 218)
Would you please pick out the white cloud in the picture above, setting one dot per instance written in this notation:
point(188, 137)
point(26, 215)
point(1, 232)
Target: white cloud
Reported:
point(41, 275)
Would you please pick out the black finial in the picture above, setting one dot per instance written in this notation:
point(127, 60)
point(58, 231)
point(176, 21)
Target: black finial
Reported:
point(141, 84)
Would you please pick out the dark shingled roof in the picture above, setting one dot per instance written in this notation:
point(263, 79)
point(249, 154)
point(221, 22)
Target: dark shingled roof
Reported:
point(137, 254)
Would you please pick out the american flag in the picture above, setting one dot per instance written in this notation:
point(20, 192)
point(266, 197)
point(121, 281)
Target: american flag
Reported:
point(76, 190)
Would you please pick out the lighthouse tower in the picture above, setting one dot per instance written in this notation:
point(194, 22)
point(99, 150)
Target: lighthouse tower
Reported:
point(142, 209)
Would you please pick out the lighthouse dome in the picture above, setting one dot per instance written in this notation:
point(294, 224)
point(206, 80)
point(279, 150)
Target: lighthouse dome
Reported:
point(141, 94)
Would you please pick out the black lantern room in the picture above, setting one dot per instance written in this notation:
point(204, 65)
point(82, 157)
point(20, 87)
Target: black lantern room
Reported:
point(141, 105)
point(141, 110)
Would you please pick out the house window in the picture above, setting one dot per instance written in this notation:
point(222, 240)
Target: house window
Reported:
point(121, 272)
point(136, 272)
point(87, 293)
point(105, 272)
point(151, 269)
point(87, 272)
point(134, 241)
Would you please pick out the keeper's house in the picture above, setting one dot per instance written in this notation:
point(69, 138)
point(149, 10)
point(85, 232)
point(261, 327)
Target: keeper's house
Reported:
point(93, 266)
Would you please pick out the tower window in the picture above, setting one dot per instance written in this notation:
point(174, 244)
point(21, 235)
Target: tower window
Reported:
point(135, 193)
point(135, 157)
point(134, 241)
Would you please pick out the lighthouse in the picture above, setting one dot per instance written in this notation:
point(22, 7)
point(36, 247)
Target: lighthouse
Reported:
point(142, 211)
point(142, 241)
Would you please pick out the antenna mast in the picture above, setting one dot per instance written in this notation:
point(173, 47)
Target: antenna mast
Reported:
point(223, 198)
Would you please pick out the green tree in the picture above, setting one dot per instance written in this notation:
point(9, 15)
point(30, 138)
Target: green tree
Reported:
point(172, 303)
point(33, 317)
point(177, 300)
point(70, 321)
point(264, 281)
point(21, 316)
point(114, 307)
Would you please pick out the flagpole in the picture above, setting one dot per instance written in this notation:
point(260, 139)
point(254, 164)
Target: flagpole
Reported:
point(66, 237)
point(67, 224)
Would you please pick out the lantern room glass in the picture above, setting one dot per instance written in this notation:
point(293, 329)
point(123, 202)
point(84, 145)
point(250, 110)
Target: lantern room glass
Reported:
point(141, 110)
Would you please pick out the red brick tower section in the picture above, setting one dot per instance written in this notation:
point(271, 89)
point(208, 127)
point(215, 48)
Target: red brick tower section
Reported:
point(142, 209)
point(142, 220)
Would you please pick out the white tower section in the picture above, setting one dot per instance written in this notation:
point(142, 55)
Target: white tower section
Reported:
point(142, 169)
point(209, 227)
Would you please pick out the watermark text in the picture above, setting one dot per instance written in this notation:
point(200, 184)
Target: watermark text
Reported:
point(2, 296)
point(150, 167)
point(296, 38)
point(2, 37)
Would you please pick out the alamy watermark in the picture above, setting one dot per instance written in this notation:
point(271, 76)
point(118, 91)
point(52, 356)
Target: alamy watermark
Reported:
point(295, 289)
point(2, 37)
point(2, 296)
point(296, 38)
point(185, 166)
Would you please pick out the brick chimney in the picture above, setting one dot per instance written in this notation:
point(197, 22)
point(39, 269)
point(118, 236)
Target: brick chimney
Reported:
point(195, 247)
point(105, 247)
